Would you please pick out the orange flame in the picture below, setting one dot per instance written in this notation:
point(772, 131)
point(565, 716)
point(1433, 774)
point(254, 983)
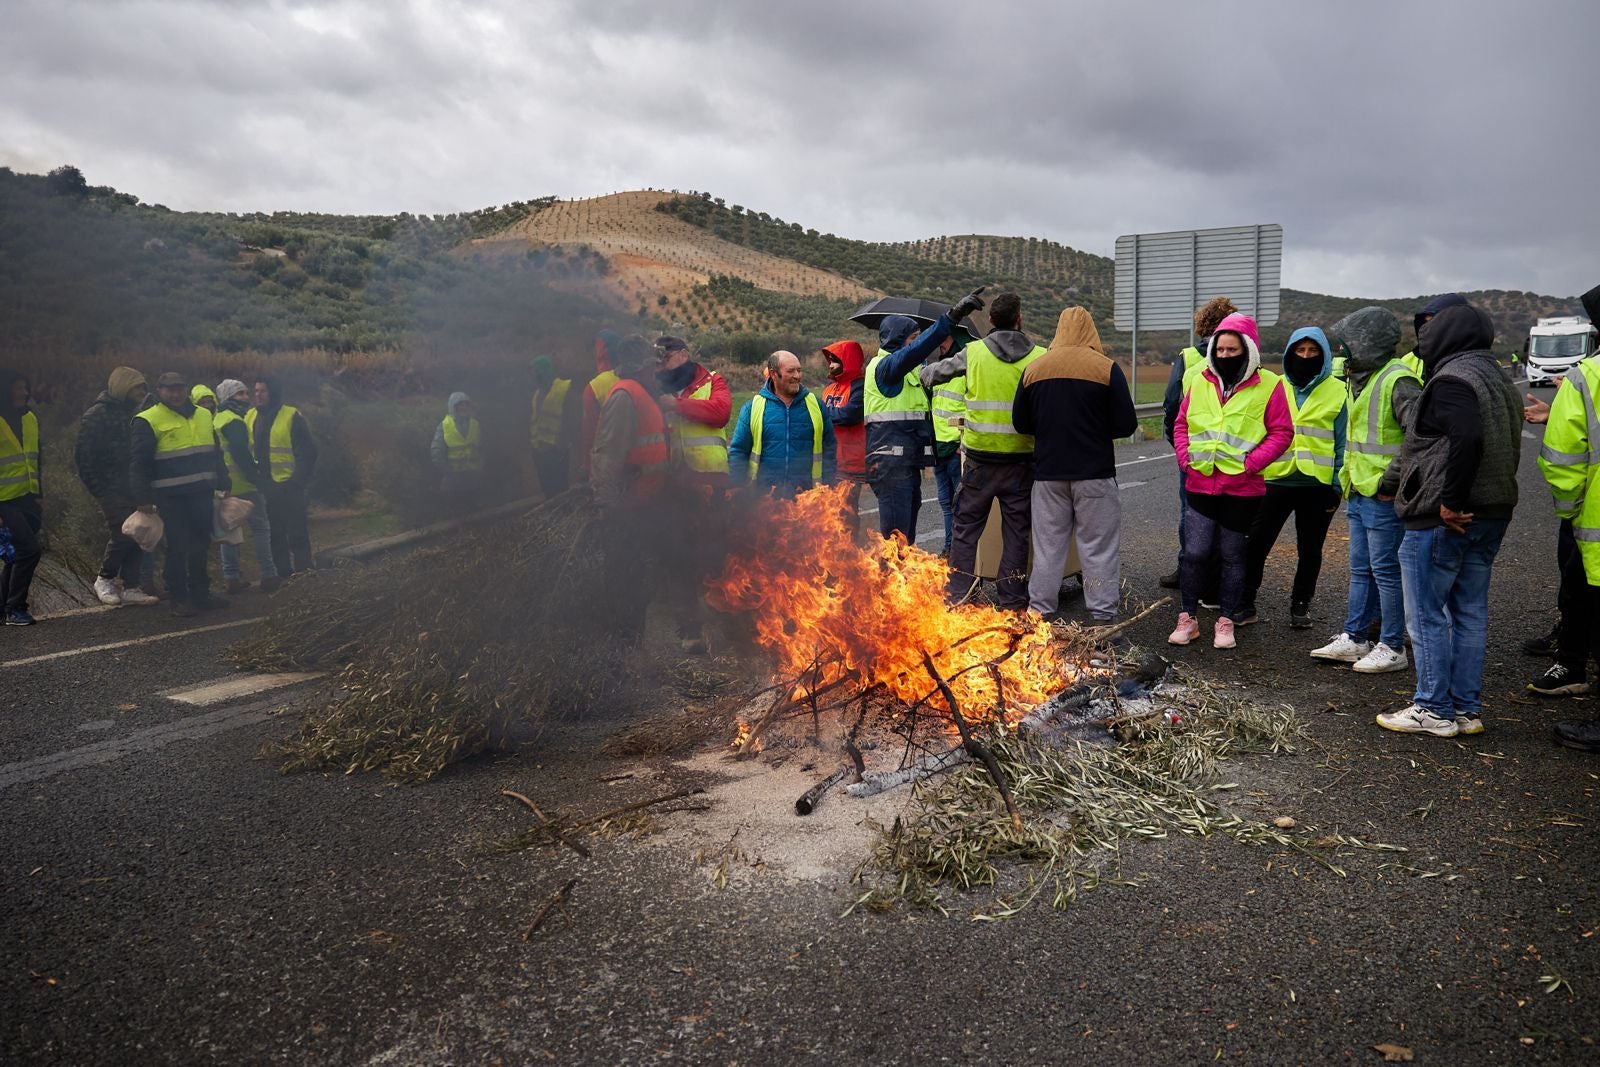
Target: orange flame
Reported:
point(815, 596)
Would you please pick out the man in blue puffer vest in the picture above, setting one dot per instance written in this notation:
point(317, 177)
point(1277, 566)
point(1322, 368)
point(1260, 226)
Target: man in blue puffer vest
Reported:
point(783, 442)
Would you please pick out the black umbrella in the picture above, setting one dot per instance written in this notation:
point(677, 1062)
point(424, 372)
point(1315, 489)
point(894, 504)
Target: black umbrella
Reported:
point(924, 311)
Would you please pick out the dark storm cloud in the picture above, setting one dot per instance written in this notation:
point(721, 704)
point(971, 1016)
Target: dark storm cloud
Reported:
point(1404, 147)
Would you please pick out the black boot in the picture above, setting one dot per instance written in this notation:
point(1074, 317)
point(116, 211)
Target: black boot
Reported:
point(1172, 581)
point(1545, 644)
point(1583, 736)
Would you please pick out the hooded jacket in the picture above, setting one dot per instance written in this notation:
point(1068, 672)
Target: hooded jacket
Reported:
point(1303, 390)
point(235, 440)
point(844, 400)
point(300, 439)
point(786, 437)
point(1075, 402)
point(1370, 338)
point(439, 451)
point(1279, 424)
point(101, 453)
point(12, 415)
point(1008, 346)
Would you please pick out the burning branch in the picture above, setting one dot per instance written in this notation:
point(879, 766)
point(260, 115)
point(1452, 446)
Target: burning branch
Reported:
point(977, 748)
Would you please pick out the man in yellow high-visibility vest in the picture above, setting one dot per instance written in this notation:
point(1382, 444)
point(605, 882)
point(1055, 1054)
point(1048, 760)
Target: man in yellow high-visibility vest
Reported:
point(556, 416)
point(21, 494)
point(457, 453)
point(281, 438)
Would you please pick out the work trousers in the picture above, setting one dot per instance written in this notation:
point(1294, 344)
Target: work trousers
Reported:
point(24, 517)
point(899, 493)
point(982, 483)
point(1091, 512)
point(187, 518)
point(1446, 577)
point(291, 531)
point(260, 523)
point(551, 465)
point(1218, 527)
point(947, 480)
point(122, 555)
point(1579, 635)
point(1313, 508)
point(1569, 593)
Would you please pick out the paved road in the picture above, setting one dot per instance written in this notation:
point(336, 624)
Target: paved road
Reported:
point(166, 895)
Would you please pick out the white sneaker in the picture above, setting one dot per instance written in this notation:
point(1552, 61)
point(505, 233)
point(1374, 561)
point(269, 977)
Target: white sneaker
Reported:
point(106, 589)
point(1381, 660)
point(138, 597)
point(1469, 724)
point(1415, 720)
point(1342, 649)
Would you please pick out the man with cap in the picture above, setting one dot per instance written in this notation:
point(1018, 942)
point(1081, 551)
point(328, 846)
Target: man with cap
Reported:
point(244, 481)
point(697, 404)
point(174, 469)
point(553, 425)
point(286, 453)
point(101, 456)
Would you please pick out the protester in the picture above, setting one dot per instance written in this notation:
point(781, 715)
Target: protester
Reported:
point(21, 496)
point(898, 418)
point(1422, 318)
point(245, 479)
point(697, 404)
point(628, 464)
point(783, 442)
point(550, 431)
point(174, 467)
point(598, 388)
point(1303, 482)
point(202, 396)
point(1384, 393)
point(997, 457)
point(1076, 404)
point(1232, 424)
point(457, 454)
point(101, 457)
point(1456, 487)
point(845, 402)
point(281, 439)
point(1184, 368)
point(948, 405)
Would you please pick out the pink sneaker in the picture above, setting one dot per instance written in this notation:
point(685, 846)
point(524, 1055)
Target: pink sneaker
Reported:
point(1222, 636)
point(1188, 629)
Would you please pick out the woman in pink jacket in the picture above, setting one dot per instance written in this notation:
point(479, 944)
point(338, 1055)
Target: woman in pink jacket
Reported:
point(1233, 422)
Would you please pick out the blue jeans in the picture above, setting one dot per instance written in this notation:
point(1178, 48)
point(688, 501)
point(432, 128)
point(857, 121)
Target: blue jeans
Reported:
point(1376, 591)
point(899, 493)
point(1446, 578)
point(260, 539)
point(947, 479)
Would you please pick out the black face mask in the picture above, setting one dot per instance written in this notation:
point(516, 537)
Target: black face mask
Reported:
point(676, 379)
point(1230, 368)
point(1301, 369)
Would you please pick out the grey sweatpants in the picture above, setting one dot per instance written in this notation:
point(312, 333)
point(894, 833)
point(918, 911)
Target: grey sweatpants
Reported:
point(1091, 511)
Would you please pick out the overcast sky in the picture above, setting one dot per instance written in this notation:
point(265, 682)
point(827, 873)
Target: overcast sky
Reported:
point(1405, 147)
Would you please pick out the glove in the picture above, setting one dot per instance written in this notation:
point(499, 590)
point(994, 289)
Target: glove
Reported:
point(973, 301)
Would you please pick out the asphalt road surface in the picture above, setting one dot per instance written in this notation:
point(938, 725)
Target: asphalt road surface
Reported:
point(168, 896)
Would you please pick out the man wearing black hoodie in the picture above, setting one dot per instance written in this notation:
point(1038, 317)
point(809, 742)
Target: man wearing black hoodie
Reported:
point(21, 494)
point(1455, 486)
point(285, 449)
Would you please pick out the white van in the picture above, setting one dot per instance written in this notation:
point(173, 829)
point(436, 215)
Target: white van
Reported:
point(1556, 345)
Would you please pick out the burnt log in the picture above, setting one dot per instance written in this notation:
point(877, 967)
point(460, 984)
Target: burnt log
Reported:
point(812, 797)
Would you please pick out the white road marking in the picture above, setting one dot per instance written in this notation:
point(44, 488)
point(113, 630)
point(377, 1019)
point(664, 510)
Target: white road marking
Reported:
point(1148, 459)
point(235, 686)
point(92, 609)
point(147, 740)
point(1131, 485)
point(69, 653)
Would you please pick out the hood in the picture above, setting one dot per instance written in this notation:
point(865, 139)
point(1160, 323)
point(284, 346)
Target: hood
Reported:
point(201, 392)
point(1458, 328)
point(544, 370)
point(1591, 304)
point(604, 342)
point(850, 356)
point(1370, 336)
point(1075, 329)
point(1245, 327)
point(123, 381)
point(274, 392)
point(455, 398)
point(893, 331)
point(1313, 333)
point(7, 379)
point(1434, 306)
point(1008, 345)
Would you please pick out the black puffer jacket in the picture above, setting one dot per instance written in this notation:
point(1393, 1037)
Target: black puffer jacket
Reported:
point(102, 452)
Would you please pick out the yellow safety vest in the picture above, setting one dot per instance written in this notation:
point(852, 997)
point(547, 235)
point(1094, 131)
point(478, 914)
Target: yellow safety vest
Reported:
point(949, 409)
point(1374, 436)
point(758, 412)
point(602, 384)
point(280, 442)
point(899, 430)
point(1312, 450)
point(463, 451)
point(991, 391)
point(1222, 435)
point(186, 448)
point(1194, 361)
point(238, 484)
point(19, 460)
point(1414, 361)
point(703, 448)
point(1570, 459)
point(547, 414)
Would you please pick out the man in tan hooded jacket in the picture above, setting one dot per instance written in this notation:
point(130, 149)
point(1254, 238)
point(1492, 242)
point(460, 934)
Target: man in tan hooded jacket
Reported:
point(1076, 404)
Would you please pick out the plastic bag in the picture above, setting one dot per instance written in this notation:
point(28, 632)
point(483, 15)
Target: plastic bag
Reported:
point(146, 530)
point(227, 520)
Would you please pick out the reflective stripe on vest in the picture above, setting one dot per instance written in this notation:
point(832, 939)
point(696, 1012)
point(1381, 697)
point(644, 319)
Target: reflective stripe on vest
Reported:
point(949, 409)
point(703, 448)
point(19, 460)
point(991, 392)
point(238, 484)
point(899, 427)
point(547, 412)
point(1312, 450)
point(186, 448)
point(1570, 459)
point(1222, 435)
point(758, 416)
point(463, 452)
point(1374, 436)
point(280, 442)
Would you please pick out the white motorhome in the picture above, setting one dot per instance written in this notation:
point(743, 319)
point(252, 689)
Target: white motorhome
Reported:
point(1556, 345)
